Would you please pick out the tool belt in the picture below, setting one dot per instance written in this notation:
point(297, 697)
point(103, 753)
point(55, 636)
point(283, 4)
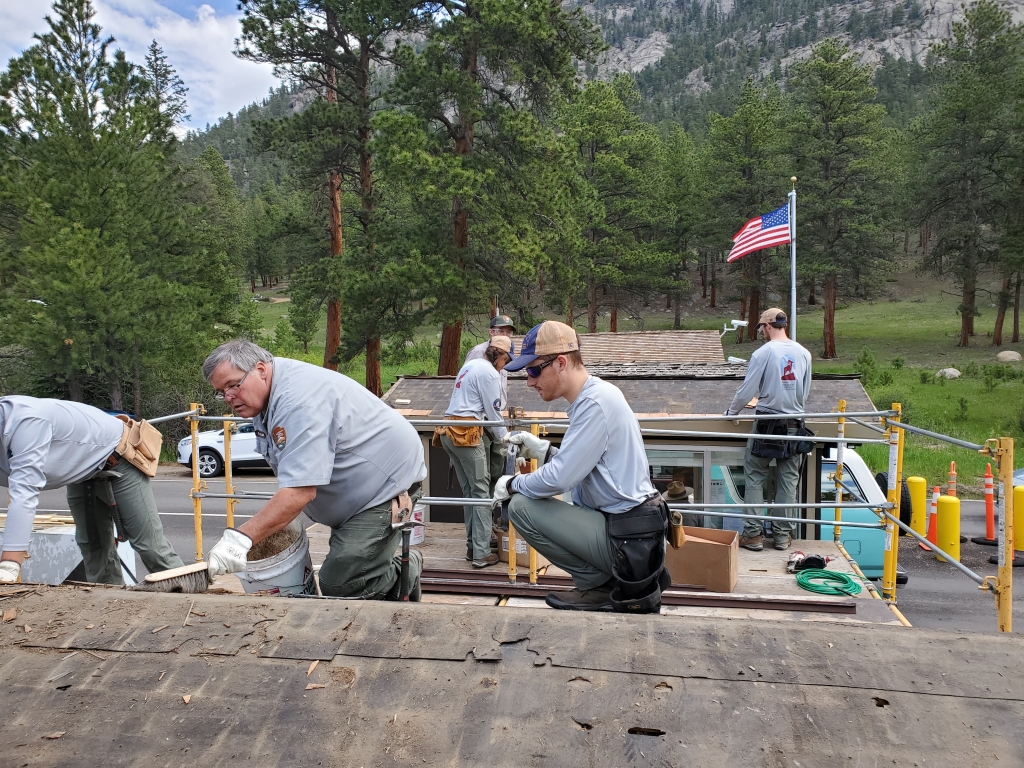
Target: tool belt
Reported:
point(402, 504)
point(461, 437)
point(139, 445)
point(637, 537)
point(781, 449)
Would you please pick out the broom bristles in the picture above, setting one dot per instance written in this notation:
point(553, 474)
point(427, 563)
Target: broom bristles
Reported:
point(188, 579)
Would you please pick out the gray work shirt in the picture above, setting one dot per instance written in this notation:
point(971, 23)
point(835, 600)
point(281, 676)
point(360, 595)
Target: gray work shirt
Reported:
point(323, 429)
point(47, 444)
point(779, 376)
point(477, 353)
point(602, 457)
point(476, 394)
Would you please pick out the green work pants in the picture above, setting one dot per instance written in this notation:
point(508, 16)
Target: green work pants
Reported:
point(495, 460)
point(94, 525)
point(362, 561)
point(755, 472)
point(571, 537)
point(471, 468)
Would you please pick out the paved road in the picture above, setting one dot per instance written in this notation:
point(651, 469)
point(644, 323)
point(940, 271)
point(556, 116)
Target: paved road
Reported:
point(938, 596)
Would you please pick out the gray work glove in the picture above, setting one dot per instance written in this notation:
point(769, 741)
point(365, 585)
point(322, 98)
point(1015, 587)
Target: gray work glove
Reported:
point(10, 571)
point(229, 554)
point(501, 491)
point(530, 446)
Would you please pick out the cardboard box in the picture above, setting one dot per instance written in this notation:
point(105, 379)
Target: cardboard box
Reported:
point(713, 563)
point(522, 552)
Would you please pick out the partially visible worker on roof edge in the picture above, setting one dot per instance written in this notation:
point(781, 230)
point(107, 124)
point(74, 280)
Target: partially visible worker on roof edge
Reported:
point(779, 376)
point(476, 397)
point(611, 539)
point(501, 325)
point(339, 453)
point(105, 462)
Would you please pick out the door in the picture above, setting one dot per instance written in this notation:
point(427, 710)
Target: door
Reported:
point(865, 545)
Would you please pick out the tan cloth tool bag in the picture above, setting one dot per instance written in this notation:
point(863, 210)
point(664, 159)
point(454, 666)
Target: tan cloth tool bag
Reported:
point(461, 437)
point(140, 445)
point(676, 534)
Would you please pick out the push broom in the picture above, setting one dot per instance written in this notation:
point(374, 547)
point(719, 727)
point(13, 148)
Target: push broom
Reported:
point(188, 579)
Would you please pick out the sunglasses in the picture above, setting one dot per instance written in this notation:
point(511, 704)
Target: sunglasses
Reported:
point(533, 371)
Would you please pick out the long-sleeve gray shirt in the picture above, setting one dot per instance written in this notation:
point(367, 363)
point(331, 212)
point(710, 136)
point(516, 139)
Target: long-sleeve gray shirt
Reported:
point(602, 457)
point(47, 444)
point(476, 393)
point(779, 376)
point(322, 428)
point(477, 353)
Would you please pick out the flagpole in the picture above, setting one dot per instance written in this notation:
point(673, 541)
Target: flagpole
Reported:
point(792, 261)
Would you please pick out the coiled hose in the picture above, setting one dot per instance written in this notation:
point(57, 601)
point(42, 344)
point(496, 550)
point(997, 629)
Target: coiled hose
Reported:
point(823, 582)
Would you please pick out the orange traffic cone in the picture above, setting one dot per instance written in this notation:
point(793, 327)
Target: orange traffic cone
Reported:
point(989, 539)
point(933, 532)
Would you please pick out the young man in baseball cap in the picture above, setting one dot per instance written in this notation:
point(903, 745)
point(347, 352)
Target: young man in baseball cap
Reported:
point(611, 539)
point(779, 376)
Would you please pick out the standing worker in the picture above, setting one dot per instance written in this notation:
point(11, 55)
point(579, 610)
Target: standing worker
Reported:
point(46, 444)
point(779, 376)
point(501, 326)
point(611, 539)
point(476, 397)
point(339, 453)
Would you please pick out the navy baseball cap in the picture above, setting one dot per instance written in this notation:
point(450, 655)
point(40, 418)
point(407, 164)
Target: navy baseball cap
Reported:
point(549, 338)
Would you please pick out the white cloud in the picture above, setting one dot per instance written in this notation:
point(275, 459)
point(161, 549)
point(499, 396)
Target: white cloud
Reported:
point(200, 48)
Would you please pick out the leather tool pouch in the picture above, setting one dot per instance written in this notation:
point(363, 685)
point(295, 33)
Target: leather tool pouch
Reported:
point(770, 449)
point(461, 437)
point(401, 508)
point(140, 445)
point(676, 534)
point(638, 547)
point(800, 447)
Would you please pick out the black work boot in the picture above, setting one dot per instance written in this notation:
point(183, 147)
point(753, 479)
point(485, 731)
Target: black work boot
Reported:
point(596, 599)
point(416, 565)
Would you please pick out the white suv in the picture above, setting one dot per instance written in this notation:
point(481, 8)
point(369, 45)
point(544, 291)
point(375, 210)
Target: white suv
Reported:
point(211, 451)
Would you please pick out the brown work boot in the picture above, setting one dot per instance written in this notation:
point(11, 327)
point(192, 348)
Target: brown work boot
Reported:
point(753, 543)
point(782, 542)
point(485, 562)
point(597, 599)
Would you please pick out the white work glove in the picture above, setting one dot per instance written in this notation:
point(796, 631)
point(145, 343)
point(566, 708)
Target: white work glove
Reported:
point(229, 554)
point(530, 446)
point(9, 571)
point(501, 491)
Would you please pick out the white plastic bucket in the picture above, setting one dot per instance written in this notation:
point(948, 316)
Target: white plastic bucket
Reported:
point(418, 531)
point(289, 572)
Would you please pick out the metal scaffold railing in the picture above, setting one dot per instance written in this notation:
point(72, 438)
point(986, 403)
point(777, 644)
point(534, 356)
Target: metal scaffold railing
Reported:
point(889, 425)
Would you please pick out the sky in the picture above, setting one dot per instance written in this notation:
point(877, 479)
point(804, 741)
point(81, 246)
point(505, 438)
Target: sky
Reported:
point(197, 37)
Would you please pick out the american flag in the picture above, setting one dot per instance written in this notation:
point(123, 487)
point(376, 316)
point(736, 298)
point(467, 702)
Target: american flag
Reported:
point(762, 232)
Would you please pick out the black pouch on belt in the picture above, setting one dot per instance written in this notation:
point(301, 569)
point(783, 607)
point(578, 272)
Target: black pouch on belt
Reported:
point(638, 546)
point(770, 449)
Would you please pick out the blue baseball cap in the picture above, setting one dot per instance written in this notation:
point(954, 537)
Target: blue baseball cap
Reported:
point(548, 338)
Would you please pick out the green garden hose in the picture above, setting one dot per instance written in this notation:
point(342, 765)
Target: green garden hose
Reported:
point(824, 582)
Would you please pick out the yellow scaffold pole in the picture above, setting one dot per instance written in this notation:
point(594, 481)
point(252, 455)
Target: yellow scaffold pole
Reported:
point(840, 446)
point(1004, 579)
point(895, 480)
point(197, 483)
point(535, 429)
point(229, 485)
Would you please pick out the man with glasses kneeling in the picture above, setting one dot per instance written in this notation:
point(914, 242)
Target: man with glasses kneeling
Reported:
point(611, 539)
point(339, 453)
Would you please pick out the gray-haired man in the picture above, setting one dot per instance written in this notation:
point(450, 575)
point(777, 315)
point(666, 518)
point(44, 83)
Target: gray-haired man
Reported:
point(338, 452)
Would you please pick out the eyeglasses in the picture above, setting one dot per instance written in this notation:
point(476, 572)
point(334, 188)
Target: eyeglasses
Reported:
point(218, 395)
point(533, 371)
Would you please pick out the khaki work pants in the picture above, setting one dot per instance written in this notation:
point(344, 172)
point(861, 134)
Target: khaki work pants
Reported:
point(472, 468)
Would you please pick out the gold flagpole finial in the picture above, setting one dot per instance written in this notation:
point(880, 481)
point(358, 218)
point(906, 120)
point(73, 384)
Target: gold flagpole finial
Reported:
point(793, 179)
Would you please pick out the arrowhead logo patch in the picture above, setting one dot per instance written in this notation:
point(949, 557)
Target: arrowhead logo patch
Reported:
point(280, 437)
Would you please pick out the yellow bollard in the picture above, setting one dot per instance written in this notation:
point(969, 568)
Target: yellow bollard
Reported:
point(918, 504)
point(948, 525)
point(1018, 518)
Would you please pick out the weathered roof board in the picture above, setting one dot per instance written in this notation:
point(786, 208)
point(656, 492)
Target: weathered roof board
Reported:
point(431, 685)
point(649, 346)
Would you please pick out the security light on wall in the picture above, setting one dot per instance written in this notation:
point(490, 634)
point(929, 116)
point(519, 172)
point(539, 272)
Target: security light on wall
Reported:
point(736, 325)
